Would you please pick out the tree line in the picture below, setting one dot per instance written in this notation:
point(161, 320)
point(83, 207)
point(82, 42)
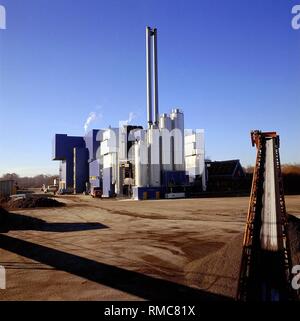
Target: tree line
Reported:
point(30, 182)
point(290, 175)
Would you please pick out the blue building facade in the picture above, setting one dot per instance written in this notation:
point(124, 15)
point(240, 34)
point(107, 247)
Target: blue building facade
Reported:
point(73, 156)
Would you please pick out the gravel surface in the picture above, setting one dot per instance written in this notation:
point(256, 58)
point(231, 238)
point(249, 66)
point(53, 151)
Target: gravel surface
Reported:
point(94, 249)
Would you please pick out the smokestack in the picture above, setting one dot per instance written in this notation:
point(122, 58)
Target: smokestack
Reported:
point(155, 76)
point(148, 73)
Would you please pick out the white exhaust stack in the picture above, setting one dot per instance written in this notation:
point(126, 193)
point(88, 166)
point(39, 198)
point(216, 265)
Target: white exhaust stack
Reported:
point(155, 77)
point(148, 75)
point(152, 74)
point(153, 139)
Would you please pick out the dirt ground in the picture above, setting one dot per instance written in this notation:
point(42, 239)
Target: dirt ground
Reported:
point(95, 249)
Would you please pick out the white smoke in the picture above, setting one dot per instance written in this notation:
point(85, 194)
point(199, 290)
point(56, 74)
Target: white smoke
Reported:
point(93, 116)
point(131, 117)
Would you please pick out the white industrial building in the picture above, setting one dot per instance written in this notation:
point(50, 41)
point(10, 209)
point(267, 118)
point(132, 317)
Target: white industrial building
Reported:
point(194, 150)
point(162, 160)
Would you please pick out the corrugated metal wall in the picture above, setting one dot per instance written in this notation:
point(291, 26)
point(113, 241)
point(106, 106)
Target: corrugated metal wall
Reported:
point(7, 188)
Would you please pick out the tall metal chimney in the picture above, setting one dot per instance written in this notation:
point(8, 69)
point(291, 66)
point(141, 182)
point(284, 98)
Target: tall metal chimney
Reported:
point(148, 73)
point(155, 77)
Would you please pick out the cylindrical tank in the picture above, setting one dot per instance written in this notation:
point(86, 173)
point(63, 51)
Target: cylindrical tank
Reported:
point(165, 122)
point(141, 175)
point(166, 148)
point(177, 118)
point(154, 156)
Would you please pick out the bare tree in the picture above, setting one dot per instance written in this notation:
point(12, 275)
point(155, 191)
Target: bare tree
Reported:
point(30, 182)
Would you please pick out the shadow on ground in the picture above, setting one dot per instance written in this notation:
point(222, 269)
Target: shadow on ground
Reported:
point(134, 283)
point(20, 222)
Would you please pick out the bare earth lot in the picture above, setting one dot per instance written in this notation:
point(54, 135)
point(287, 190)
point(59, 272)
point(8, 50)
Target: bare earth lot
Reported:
point(126, 250)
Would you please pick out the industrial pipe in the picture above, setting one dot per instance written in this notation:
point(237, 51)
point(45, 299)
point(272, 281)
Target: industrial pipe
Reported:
point(155, 76)
point(148, 74)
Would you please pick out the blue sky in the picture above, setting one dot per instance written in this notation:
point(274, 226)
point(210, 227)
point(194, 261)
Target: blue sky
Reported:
point(231, 65)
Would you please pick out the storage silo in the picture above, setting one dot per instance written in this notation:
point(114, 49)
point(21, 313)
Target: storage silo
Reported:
point(109, 151)
point(166, 147)
point(141, 164)
point(177, 118)
point(154, 156)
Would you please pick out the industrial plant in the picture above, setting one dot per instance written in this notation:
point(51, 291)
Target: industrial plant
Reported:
point(163, 160)
point(74, 247)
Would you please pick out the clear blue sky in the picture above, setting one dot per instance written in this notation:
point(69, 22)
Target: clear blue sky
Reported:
point(231, 65)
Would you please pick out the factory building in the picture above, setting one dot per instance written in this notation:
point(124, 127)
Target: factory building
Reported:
point(73, 156)
point(194, 149)
point(99, 159)
point(226, 176)
point(92, 140)
point(160, 161)
point(159, 156)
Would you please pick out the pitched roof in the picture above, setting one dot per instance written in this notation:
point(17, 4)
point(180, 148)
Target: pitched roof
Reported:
point(223, 168)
